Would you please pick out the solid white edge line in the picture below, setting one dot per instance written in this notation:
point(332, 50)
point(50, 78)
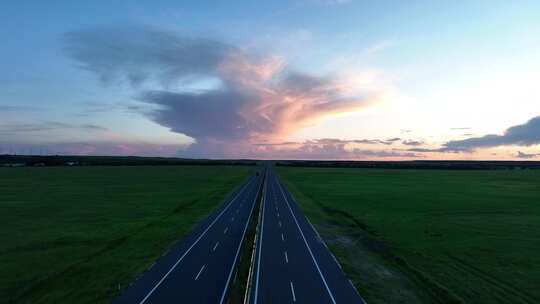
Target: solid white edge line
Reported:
point(194, 243)
point(260, 241)
point(317, 232)
point(324, 243)
point(239, 247)
point(307, 245)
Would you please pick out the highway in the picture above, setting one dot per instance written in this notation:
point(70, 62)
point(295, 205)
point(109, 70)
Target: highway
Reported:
point(200, 268)
point(292, 263)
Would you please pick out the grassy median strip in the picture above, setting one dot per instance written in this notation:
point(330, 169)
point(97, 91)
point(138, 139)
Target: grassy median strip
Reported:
point(238, 288)
point(428, 236)
point(81, 234)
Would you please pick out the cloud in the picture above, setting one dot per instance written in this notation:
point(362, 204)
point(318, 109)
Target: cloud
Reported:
point(12, 108)
point(372, 141)
point(333, 141)
point(412, 142)
point(93, 127)
point(524, 155)
point(427, 150)
point(213, 114)
point(527, 134)
point(140, 54)
point(92, 110)
point(332, 148)
point(259, 97)
point(91, 148)
point(382, 45)
point(45, 126)
point(325, 148)
point(389, 141)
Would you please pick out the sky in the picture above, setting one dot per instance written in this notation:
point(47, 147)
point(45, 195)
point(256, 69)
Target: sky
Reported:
point(305, 79)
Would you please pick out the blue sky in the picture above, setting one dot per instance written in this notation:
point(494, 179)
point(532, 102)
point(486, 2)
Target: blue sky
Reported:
point(443, 74)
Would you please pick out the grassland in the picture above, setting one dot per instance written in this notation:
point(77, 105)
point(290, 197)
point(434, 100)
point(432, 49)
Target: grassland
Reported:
point(429, 236)
point(79, 235)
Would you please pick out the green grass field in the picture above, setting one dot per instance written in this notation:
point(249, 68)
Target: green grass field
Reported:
point(78, 235)
point(428, 236)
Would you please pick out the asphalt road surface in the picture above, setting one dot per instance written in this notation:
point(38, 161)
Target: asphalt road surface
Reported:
point(200, 269)
point(292, 264)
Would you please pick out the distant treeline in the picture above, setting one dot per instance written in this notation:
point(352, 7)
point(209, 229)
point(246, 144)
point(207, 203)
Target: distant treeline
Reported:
point(432, 164)
point(62, 160)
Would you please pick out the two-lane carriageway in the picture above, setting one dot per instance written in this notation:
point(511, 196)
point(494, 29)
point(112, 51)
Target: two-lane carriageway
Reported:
point(292, 263)
point(200, 269)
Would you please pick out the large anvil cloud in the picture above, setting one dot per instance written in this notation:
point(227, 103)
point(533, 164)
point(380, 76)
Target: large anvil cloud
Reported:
point(258, 98)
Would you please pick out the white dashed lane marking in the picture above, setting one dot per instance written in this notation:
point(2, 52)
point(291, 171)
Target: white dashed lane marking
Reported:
point(199, 274)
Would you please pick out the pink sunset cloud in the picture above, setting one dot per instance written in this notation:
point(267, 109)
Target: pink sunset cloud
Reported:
point(260, 99)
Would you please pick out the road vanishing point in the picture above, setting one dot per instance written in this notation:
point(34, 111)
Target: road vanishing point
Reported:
point(290, 261)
